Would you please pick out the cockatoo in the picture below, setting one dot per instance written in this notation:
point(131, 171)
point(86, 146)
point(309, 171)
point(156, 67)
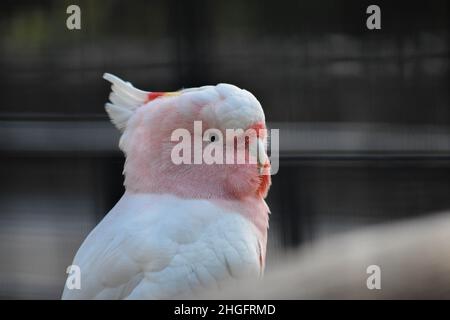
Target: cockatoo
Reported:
point(179, 228)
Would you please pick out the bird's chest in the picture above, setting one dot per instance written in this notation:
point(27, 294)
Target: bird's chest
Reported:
point(192, 249)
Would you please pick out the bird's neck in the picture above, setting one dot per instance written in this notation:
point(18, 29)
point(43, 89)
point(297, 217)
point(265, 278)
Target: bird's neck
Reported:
point(254, 209)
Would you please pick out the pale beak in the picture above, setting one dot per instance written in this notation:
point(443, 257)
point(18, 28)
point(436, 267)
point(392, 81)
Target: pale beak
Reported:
point(258, 150)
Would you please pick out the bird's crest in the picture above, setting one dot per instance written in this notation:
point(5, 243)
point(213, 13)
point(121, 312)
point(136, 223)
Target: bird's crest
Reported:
point(125, 99)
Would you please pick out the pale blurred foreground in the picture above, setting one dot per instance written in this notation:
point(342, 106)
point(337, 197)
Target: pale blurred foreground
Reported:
point(414, 258)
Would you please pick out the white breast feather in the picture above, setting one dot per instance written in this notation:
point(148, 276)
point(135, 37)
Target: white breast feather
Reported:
point(146, 248)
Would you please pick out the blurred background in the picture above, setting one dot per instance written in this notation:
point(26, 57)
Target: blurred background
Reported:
point(363, 115)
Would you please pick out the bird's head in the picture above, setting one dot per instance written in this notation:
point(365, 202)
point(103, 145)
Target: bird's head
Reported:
point(173, 142)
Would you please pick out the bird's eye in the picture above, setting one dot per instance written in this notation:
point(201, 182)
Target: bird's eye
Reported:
point(212, 138)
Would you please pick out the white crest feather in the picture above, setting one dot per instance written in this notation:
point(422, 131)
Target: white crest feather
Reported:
point(125, 99)
point(118, 115)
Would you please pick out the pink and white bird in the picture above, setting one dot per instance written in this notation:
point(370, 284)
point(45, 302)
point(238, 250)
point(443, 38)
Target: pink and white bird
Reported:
point(179, 228)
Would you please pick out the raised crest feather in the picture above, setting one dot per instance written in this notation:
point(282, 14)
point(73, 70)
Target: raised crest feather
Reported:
point(125, 99)
point(119, 115)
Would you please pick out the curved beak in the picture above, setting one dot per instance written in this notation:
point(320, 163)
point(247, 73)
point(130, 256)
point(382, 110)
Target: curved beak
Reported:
point(258, 150)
